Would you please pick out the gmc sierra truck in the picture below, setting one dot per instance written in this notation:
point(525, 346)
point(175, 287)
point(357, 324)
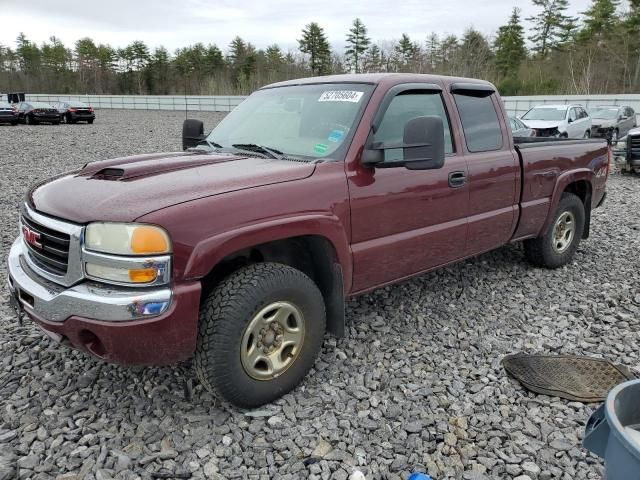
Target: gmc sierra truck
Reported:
point(239, 252)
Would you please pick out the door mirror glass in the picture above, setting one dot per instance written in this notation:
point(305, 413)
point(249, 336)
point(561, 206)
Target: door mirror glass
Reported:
point(423, 146)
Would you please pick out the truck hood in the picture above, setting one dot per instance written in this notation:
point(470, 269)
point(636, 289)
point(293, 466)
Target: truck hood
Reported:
point(124, 189)
point(542, 123)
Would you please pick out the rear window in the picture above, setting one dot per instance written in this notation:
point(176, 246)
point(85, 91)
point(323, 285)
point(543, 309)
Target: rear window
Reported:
point(40, 105)
point(479, 122)
point(77, 104)
point(5, 105)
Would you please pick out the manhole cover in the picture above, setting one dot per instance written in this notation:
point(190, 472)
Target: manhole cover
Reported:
point(580, 379)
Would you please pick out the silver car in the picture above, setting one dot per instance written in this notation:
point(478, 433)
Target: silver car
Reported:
point(519, 129)
point(612, 121)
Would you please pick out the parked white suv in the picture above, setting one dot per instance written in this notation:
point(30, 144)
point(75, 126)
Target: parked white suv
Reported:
point(566, 121)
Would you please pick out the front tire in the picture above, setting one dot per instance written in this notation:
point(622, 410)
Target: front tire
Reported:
point(259, 333)
point(559, 243)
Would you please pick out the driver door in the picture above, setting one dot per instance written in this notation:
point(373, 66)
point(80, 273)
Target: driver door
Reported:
point(407, 221)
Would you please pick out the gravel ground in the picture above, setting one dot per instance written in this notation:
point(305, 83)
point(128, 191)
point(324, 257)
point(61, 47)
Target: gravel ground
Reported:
point(416, 385)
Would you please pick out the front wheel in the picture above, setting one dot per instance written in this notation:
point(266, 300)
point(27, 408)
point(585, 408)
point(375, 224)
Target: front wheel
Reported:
point(559, 243)
point(587, 134)
point(259, 333)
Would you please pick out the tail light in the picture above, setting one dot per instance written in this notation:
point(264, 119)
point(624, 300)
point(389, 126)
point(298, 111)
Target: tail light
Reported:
point(73, 110)
point(91, 109)
point(13, 107)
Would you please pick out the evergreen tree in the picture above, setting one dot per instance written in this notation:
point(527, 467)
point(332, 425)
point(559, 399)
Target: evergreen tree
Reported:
point(405, 50)
point(600, 19)
point(509, 45)
point(357, 43)
point(372, 60)
point(551, 26)
point(314, 43)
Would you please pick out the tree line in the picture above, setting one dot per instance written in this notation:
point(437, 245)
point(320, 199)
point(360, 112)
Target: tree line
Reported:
point(599, 52)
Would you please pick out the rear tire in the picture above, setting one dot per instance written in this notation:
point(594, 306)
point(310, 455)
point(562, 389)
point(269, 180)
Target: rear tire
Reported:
point(559, 243)
point(90, 122)
point(259, 333)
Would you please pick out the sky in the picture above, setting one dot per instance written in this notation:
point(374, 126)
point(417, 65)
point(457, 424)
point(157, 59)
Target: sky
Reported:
point(178, 23)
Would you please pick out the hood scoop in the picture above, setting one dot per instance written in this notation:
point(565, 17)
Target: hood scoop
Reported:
point(146, 167)
point(109, 174)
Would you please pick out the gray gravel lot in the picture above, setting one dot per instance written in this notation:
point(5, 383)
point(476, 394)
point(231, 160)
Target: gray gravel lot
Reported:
point(417, 384)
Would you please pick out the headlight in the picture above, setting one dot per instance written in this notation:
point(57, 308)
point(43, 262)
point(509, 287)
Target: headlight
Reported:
point(127, 253)
point(126, 239)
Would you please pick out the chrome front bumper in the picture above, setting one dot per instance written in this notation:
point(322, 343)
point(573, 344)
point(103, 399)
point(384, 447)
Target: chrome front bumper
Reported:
point(51, 301)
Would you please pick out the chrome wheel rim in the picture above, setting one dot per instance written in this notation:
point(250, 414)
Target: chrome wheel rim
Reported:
point(272, 341)
point(563, 232)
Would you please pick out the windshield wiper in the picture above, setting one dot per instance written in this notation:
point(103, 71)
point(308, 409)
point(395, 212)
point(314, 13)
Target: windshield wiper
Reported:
point(211, 145)
point(253, 147)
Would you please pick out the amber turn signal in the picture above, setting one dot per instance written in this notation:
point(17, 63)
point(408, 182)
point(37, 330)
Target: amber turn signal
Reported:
point(147, 240)
point(144, 275)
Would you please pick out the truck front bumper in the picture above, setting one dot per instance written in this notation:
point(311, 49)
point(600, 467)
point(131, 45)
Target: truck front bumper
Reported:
point(133, 326)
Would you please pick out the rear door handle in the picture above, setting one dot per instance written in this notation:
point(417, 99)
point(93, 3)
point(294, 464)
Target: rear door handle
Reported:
point(457, 179)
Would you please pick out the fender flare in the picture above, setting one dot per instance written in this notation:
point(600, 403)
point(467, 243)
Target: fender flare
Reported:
point(211, 251)
point(563, 181)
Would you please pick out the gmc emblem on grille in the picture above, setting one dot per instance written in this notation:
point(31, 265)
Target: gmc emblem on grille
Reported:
point(31, 237)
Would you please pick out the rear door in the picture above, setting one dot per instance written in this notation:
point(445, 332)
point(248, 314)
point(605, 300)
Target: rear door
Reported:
point(407, 221)
point(573, 127)
point(493, 167)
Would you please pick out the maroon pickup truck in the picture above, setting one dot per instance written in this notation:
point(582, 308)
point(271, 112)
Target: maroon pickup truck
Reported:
point(241, 250)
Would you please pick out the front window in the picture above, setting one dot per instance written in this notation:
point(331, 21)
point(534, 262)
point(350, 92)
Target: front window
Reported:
point(546, 113)
point(604, 113)
point(303, 121)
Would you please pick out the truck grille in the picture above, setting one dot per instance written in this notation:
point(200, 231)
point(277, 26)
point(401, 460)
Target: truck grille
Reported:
point(634, 146)
point(53, 253)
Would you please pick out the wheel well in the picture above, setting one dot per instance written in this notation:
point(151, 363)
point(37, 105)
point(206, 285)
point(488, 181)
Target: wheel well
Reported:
point(311, 254)
point(582, 188)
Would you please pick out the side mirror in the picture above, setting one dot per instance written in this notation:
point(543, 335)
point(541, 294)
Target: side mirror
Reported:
point(422, 146)
point(192, 133)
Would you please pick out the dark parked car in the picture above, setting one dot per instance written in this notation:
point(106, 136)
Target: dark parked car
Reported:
point(612, 121)
point(519, 129)
point(8, 113)
point(32, 113)
point(72, 112)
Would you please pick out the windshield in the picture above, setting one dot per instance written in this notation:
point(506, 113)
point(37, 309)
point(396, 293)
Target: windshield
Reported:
point(546, 113)
point(605, 113)
point(306, 121)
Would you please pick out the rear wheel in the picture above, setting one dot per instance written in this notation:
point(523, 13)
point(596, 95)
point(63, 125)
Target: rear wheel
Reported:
point(559, 243)
point(259, 333)
point(90, 121)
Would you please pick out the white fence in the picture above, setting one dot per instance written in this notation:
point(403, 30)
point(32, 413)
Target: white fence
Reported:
point(148, 102)
point(515, 105)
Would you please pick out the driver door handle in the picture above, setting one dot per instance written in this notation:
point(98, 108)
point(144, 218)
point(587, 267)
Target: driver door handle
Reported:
point(457, 179)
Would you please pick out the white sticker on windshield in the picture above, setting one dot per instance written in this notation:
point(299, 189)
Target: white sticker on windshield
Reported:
point(341, 96)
